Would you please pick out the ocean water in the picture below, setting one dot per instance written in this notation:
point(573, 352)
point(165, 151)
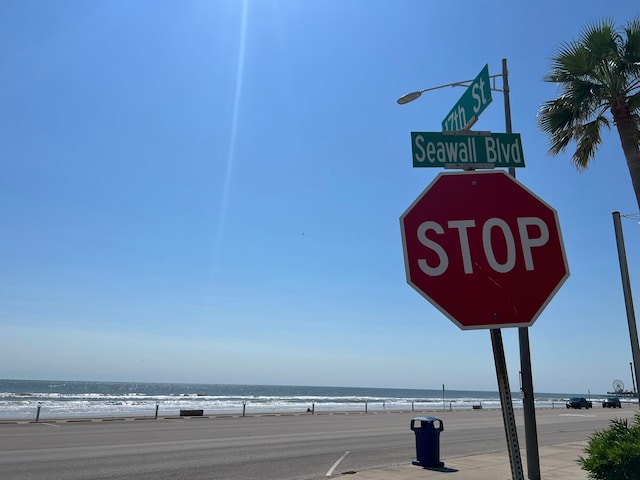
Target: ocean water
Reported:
point(20, 399)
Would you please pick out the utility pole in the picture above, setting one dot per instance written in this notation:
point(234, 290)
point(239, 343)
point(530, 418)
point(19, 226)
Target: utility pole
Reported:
point(526, 375)
point(628, 299)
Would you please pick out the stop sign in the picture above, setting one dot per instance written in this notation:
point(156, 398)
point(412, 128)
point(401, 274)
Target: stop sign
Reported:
point(483, 249)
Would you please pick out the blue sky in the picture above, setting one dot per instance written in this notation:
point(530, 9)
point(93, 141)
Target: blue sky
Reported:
point(209, 191)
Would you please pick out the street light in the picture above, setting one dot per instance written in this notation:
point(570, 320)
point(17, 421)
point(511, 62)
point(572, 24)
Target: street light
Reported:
point(528, 401)
point(410, 97)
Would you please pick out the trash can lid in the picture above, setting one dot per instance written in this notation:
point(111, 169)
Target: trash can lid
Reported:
point(426, 419)
point(418, 423)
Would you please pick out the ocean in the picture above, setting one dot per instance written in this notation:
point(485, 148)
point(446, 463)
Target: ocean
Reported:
point(21, 399)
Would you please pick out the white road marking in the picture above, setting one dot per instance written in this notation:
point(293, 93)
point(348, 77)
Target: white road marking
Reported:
point(333, 467)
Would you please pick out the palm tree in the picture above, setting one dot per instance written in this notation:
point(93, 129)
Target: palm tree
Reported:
point(596, 74)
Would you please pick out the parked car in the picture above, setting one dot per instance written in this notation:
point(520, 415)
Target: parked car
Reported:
point(579, 402)
point(612, 402)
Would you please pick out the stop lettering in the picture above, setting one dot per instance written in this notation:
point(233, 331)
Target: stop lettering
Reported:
point(483, 249)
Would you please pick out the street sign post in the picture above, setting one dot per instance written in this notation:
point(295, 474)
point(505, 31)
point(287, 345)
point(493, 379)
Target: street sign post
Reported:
point(431, 151)
point(466, 149)
point(483, 249)
point(471, 104)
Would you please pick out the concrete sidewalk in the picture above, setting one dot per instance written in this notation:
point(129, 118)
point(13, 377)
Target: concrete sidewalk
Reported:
point(557, 462)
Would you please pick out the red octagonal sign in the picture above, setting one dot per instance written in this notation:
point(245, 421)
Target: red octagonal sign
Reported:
point(483, 249)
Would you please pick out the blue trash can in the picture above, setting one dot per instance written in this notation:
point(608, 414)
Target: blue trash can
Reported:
point(427, 430)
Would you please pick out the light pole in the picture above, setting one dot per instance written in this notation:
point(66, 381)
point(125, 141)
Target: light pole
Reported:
point(528, 399)
point(628, 299)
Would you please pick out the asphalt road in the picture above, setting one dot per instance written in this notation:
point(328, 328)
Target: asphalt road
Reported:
point(278, 447)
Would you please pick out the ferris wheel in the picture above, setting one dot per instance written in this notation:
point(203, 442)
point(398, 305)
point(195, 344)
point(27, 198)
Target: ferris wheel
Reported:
point(618, 386)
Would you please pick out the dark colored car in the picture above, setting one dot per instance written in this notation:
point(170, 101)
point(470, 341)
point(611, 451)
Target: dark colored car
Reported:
point(612, 402)
point(579, 402)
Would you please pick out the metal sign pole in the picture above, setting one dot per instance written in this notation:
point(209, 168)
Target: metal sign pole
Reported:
point(508, 416)
point(528, 399)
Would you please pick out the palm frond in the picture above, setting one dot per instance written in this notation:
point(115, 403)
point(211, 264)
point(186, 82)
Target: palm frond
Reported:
point(631, 52)
point(556, 119)
point(588, 141)
point(631, 56)
point(600, 38)
point(571, 61)
point(634, 102)
point(563, 122)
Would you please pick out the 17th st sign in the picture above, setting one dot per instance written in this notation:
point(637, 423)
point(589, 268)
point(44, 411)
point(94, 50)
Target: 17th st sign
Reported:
point(473, 102)
point(466, 149)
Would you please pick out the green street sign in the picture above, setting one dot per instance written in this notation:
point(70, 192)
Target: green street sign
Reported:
point(466, 149)
point(471, 104)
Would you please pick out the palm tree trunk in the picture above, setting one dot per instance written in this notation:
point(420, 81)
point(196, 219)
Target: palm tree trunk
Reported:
point(627, 129)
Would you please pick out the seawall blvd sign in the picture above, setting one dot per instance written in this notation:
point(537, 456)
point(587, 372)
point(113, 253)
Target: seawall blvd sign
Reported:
point(466, 149)
point(471, 104)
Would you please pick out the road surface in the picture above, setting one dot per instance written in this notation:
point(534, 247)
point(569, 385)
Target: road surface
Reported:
point(262, 447)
